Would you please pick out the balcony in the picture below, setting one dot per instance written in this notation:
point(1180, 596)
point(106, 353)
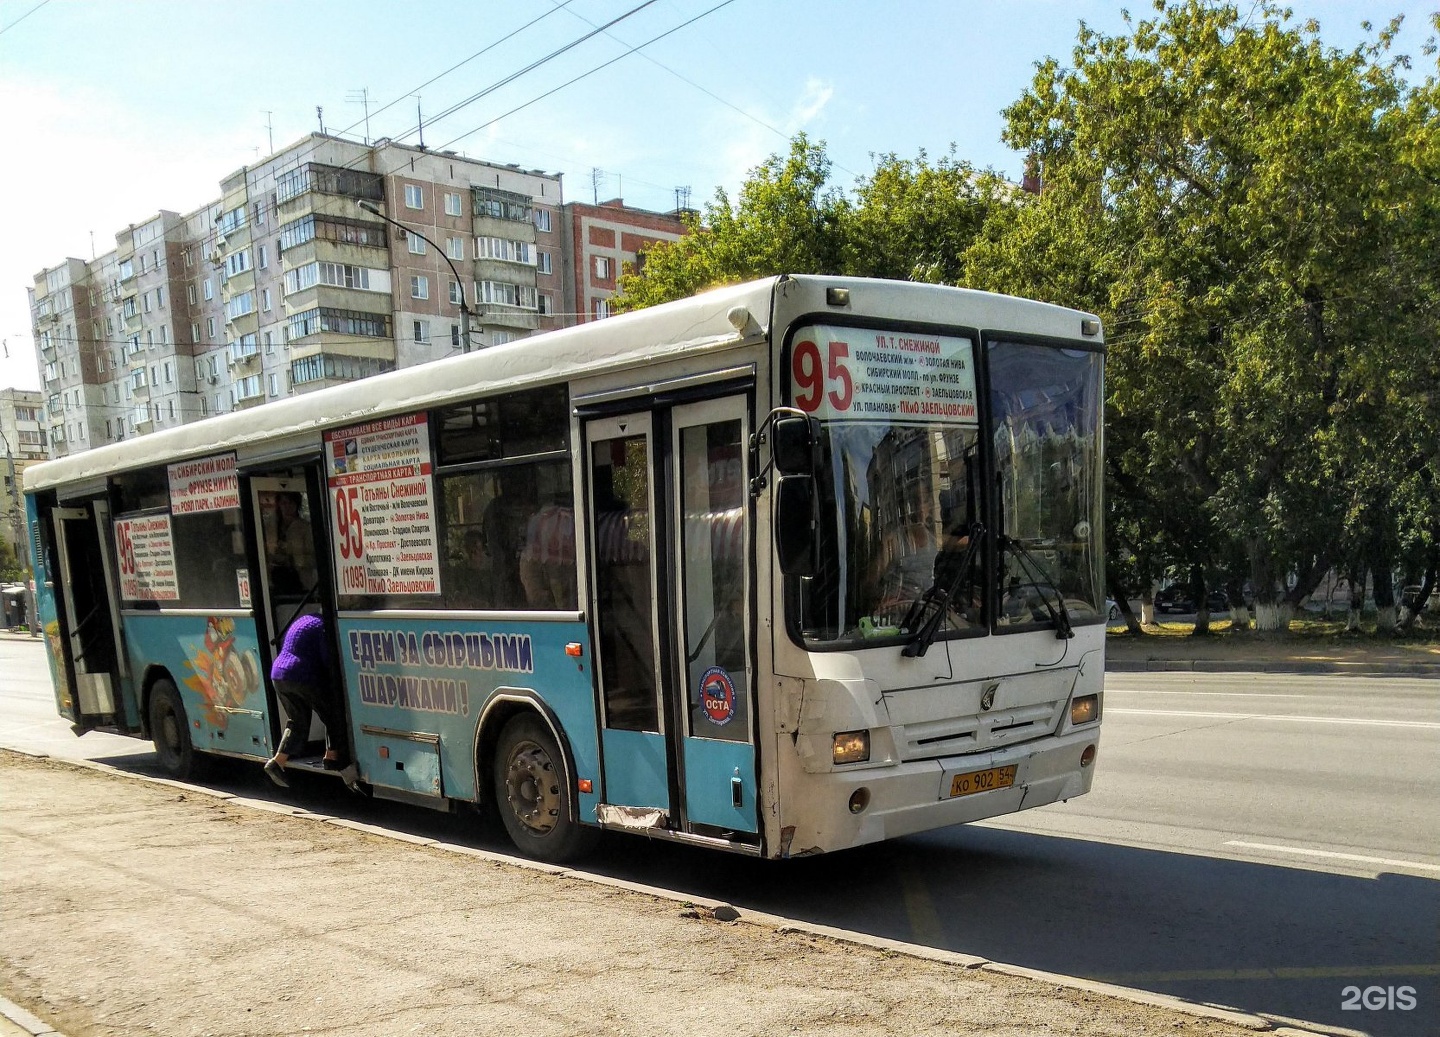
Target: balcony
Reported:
point(240, 363)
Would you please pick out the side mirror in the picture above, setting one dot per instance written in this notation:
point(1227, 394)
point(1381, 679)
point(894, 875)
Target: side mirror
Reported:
point(792, 445)
point(795, 525)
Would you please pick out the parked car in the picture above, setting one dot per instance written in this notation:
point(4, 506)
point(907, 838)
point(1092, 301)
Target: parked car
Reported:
point(1177, 599)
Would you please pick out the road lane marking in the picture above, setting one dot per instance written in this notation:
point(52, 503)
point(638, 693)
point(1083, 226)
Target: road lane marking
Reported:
point(1214, 694)
point(1421, 725)
point(1389, 862)
point(1284, 972)
point(920, 909)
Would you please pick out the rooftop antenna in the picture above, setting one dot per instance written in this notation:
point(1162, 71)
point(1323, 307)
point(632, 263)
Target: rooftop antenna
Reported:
point(596, 175)
point(682, 198)
point(269, 128)
point(362, 96)
point(320, 114)
point(419, 121)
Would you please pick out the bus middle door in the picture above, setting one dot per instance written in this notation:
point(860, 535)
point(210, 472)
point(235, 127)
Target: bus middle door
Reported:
point(669, 585)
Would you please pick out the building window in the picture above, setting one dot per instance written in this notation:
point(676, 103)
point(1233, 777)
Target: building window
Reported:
point(542, 220)
point(455, 335)
point(414, 196)
point(274, 385)
point(455, 297)
point(145, 299)
point(209, 289)
point(455, 248)
point(269, 342)
point(452, 204)
point(210, 328)
point(422, 331)
point(237, 262)
point(160, 297)
point(543, 264)
point(265, 299)
point(264, 257)
point(600, 308)
point(419, 287)
point(194, 333)
point(164, 335)
point(190, 291)
point(417, 244)
point(545, 305)
point(602, 268)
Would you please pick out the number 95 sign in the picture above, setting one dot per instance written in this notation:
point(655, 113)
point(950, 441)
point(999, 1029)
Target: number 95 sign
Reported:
point(897, 377)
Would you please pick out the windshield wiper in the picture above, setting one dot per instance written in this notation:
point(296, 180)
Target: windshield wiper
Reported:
point(939, 597)
point(1037, 572)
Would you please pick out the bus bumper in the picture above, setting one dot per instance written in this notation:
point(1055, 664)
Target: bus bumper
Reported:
point(915, 797)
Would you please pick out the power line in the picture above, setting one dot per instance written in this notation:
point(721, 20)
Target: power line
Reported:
point(27, 14)
point(585, 75)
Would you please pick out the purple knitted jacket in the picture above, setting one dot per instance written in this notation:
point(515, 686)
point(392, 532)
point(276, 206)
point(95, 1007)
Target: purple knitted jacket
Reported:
point(304, 657)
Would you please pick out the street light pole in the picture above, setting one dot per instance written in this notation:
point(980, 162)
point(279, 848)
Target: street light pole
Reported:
point(465, 311)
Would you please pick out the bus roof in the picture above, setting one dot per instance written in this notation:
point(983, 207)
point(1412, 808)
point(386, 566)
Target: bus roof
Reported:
point(686, 326)
point(669, 331)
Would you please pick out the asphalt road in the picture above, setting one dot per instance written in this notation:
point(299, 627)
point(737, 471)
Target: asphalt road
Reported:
point(1252, 840)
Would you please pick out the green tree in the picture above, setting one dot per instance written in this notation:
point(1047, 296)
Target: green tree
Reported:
point(1219, 187)
point(785, 220)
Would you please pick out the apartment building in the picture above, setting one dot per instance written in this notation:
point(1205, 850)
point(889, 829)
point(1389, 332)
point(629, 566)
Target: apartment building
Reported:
point(326, 262)
point(23, 439)
point(597, 241)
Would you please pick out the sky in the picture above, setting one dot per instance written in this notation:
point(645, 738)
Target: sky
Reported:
point(111, 110)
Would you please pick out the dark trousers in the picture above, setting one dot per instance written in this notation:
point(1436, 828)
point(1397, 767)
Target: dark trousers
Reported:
point(301, 701)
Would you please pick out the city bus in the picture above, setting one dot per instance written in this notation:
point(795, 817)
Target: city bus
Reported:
point(787, 567)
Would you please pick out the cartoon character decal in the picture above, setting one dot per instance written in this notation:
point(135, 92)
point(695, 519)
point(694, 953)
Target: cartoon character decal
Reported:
point(223, 676)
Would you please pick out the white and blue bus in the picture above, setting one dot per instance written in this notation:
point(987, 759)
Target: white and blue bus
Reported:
point(787, 567)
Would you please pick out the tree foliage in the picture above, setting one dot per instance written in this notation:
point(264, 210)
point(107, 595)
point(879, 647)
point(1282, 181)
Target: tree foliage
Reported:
point(1255, 217)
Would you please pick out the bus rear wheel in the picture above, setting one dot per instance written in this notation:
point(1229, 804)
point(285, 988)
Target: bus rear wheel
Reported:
point(170, 730)
point(533, 798)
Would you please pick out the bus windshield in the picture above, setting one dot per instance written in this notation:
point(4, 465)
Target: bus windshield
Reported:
point(900, 502)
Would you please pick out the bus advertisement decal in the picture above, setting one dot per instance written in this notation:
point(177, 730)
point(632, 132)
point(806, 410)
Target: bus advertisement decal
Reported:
point(717, 696)
point(145, 547)
point(209, 484)
point(384, 510)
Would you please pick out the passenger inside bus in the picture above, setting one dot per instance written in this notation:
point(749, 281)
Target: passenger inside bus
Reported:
point(290, 546)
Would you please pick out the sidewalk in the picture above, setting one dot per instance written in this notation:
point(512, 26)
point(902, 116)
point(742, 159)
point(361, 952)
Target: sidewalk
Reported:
point(142, 905)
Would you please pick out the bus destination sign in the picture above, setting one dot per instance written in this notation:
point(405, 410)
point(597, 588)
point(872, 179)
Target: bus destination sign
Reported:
point(383, 508)
point(898, 377)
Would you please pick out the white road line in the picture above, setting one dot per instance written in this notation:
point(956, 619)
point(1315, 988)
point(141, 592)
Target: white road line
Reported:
point(1214, 694)
point(1422, 725)
point(1388, 862)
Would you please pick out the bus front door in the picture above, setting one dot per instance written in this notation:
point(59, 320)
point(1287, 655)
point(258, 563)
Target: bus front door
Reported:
point(92, 662)
point(669, 585)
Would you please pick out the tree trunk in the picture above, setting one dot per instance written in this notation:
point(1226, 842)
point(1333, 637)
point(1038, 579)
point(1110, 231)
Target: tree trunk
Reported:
point(1427, 587)
point(1239, 613)
point(1201, 595)
point(1384, 594)
point(1267, 617)
point(1147, 607)
point(1356, 577)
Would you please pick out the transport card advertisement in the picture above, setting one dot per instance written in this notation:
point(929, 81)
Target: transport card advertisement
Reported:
point(383, 510)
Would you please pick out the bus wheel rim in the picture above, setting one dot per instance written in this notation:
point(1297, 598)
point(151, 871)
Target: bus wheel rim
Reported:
point(532, 789)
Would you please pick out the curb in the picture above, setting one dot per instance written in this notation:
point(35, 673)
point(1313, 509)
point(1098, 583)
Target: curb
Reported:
point(776, 923)
point(27, 1022)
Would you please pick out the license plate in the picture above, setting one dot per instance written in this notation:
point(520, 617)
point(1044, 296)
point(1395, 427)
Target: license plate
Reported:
point(982, 781)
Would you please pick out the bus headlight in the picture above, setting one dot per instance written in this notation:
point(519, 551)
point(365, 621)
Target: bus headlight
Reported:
point(1085, 709)
point(852, 747)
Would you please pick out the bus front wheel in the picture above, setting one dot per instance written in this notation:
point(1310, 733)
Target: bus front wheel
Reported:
point(533, 798)
point(170, 730)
